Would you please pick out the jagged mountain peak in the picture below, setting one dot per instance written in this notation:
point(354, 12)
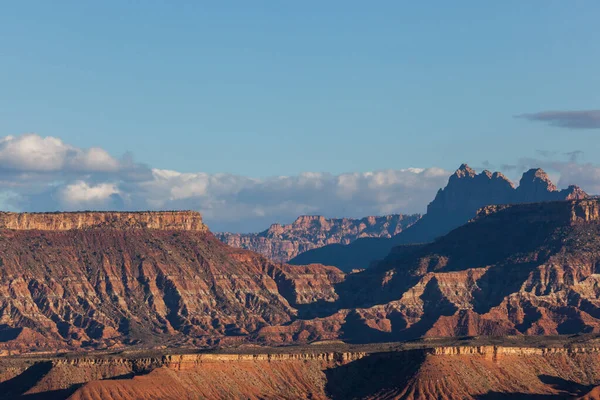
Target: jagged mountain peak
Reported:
point(455, 204)
point(536, 178)
point(464, 171)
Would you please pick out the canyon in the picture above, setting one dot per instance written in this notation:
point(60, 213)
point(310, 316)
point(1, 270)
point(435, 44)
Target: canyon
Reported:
point(283, 242)
point(521, 269)
point(152, 305)
point(524, 269)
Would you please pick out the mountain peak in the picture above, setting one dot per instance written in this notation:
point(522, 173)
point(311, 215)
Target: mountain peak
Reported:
point(464, 170)
point(534, 182)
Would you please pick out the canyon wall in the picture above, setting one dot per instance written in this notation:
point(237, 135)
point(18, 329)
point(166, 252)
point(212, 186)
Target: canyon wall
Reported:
point(164, 220)
point(284, 242)
point(448, 372)
point(570, 212)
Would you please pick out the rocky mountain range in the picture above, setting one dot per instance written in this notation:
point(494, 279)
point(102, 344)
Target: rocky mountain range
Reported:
point(141, 293)
point(113, 280)
point(284, 242)
point(523, 269)
point(453, 206)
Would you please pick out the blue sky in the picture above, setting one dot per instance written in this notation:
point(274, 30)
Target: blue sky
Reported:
point(263, 89)
point(269, 88)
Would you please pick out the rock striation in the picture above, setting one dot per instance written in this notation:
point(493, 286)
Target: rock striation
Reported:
point(105, 280)
point(164, 220)
point(284, 242)
point(454, 205)
point(521, 269)
point(450, 372)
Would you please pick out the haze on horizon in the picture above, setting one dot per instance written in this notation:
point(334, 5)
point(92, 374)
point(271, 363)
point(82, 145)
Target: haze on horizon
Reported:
point(258, 113)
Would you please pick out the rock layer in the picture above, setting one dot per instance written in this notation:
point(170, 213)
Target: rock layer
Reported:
point(113, 279)
point(164, 220)
point(525, 269)
point(284, 242)
point(465, 372)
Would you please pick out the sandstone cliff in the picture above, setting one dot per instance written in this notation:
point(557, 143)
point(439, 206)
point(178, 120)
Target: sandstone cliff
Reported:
point(97, 280)
point(526, 269)
point(284, 242)
point(164, 220)
point(451, 372)
point(454, 205)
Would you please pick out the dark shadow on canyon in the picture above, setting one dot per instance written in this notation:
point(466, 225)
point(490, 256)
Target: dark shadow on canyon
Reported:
point(375, 373)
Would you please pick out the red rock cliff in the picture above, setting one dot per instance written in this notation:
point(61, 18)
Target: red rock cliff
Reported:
point(284, 242)
point(165, 220)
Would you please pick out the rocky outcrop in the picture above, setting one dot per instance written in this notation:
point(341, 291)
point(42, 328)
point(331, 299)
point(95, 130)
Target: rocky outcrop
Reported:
point(566, 213)
point(164, 220)
point(108, 280)
point(434, 372)
point(284, 242)
point(216, 375)
point(522, 269)
point(454, 205)
point(395, 375)
point(468, 191)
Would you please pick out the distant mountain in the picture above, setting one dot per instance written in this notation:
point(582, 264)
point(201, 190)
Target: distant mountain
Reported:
point(454, 205)
point(283, 242)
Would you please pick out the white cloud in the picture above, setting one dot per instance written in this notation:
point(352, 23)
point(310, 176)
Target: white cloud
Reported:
point(93, 159)
point(33, 153)
point(45, 174)
point(239, 203)
point(81, 195)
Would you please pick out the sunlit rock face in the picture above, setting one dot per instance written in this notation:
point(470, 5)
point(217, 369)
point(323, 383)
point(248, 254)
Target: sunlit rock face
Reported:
point(284, 242)
point(109, 279)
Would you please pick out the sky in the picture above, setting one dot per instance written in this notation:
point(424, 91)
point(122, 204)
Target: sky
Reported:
point(256, 112)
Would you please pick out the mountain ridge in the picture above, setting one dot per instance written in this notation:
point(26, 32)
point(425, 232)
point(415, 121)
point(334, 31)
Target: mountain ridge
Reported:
point(521, 269)
point(453, 205)
point(281, 242)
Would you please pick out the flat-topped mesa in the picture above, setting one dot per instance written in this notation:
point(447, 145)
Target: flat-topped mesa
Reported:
point(567, 212)
point(62, 221)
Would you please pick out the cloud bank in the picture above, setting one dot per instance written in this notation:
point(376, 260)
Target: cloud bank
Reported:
point(45, 174)
point(585, 119)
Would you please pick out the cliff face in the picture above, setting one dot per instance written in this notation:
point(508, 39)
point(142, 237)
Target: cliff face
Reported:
point(464, 372)
point(284, 242)
point(163, 220)
point(524, 269)
point(454, 205)
point(97, 280)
